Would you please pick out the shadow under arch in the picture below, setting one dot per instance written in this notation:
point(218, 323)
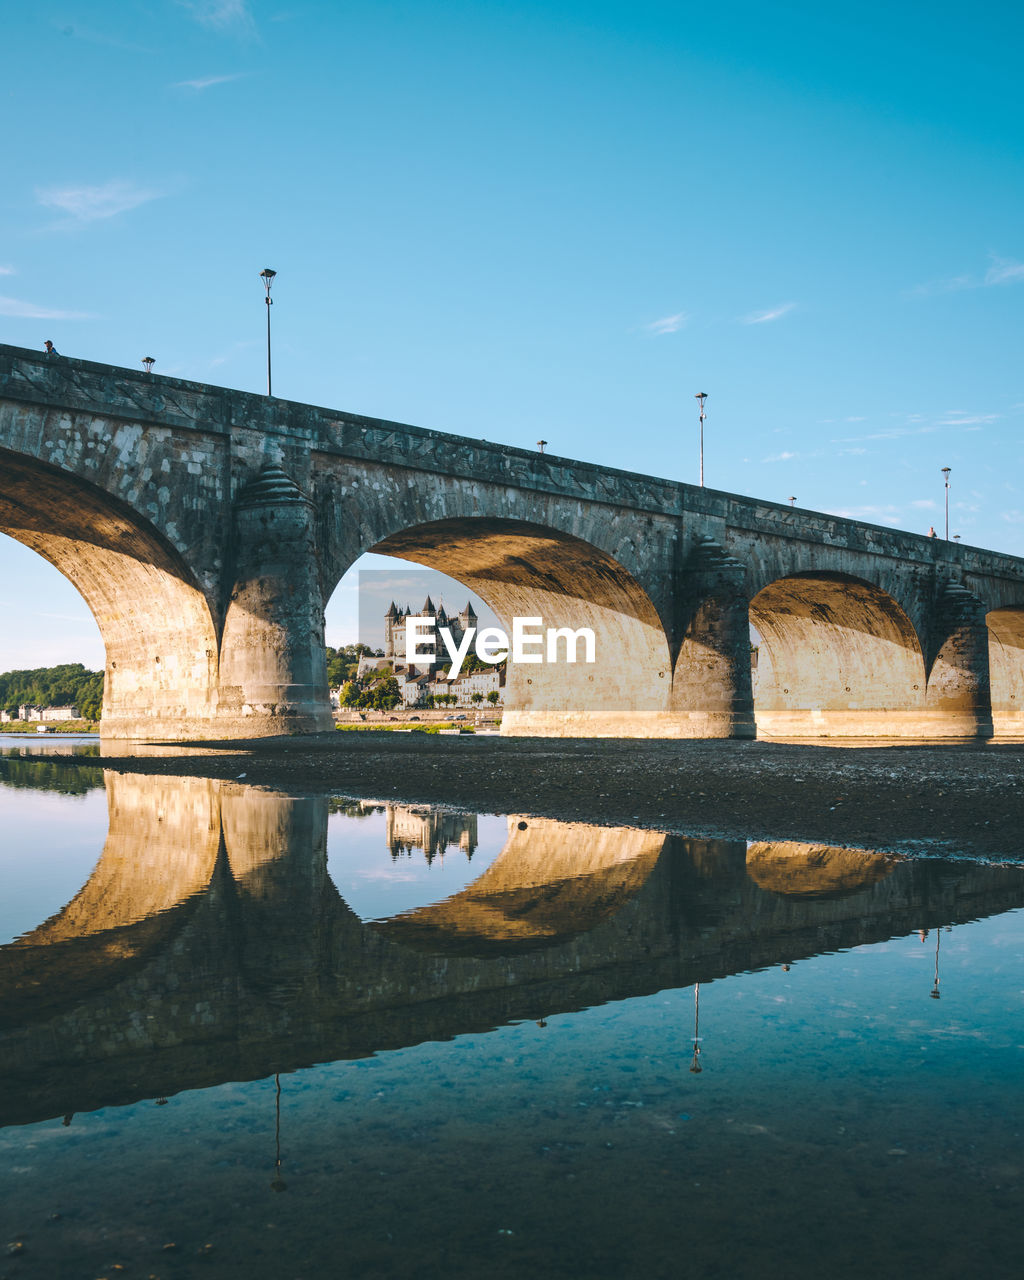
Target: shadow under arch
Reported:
point(1006, 668)
point(154, 619)
point(551, 882)
point(528, 570)
point(839, 658)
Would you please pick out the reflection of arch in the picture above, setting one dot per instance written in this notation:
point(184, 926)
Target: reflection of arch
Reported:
point(1006, 664)
point(159, 856)
point(551, 881)
point(839, 657)
point(531, 570)
point(795, 870)
point(153, 617)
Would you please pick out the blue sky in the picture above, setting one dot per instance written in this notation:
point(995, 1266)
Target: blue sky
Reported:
point(560, 221)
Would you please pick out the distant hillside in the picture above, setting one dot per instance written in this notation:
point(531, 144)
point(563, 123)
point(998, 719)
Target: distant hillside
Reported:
point(67, 685)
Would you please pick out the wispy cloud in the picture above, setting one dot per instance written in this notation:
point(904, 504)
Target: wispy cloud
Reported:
point(221, 15)
point(924, 504)
point(226, 356)
point(7, 271)
point(785, 456)
point(1002, 271)
point(31, 311)
point(880, 515)
point(667, 324)
point(764, 317)
point(954, 418)
point(951, 285)
point(208, 82)
point(77, 31)
point(90, 204)
point(951, 420)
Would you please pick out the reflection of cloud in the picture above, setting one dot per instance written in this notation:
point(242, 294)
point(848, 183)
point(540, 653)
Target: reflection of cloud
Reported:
point(389, 874)
point(31, 311)
point(667, 324)
point(763, 317)
point(88, 204)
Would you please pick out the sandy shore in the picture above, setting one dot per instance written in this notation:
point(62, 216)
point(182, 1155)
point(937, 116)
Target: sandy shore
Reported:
point(951, 799)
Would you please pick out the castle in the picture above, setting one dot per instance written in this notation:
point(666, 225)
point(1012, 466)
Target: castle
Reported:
point(394, 633)
point(425, 680)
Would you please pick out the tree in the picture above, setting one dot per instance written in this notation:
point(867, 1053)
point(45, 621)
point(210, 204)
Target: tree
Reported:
point(493, 697)
point(386, 693)
point(477, 697)
point(69, 684)
point(349, 696)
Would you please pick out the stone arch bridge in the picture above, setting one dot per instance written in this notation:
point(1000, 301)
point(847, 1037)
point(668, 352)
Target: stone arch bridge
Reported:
point(206, 528)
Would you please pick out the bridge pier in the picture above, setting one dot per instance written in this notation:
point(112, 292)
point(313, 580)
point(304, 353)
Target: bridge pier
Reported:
point(273, 666)
point(959, 703)
point(711, 689)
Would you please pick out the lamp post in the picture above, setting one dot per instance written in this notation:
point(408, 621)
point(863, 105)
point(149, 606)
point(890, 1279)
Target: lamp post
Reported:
point(542, 445)
point(945, 472)
point(791, 500)
point(701, 396)
point(149, 362)
point(267, 276)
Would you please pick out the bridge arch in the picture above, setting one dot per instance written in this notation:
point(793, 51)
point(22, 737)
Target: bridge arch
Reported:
point(531, 570)
point(838, 657)
point(154, 619)
point(1006, 664)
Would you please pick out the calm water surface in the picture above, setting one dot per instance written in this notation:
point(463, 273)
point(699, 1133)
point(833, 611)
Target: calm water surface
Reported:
point(249, 1034)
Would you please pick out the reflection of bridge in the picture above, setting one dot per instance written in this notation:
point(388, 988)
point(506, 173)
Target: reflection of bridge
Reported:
point(210, 944)
point(206, 528)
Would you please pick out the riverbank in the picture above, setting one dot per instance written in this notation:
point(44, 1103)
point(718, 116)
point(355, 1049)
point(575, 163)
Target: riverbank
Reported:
point(931, 797)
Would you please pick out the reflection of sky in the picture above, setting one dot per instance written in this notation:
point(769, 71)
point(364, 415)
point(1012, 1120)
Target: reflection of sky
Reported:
point(51, 842)
point(376, 886)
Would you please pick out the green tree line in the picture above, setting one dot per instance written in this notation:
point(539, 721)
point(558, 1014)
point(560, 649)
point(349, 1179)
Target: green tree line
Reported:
point(69, 685)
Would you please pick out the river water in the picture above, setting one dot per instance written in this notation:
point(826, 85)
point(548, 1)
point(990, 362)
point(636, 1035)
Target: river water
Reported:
point(251, 1034)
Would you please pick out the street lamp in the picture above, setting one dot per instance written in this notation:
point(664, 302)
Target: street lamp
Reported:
point(945, 472)
point(149, 362)
point(267, 276)
point(791, 500)
point(701, 396)
point(542, 445)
